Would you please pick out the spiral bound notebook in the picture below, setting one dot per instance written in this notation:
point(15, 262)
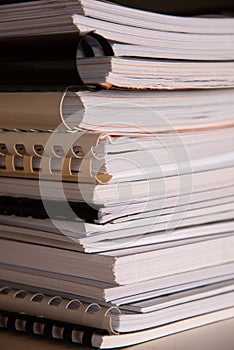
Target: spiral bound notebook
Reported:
point(61, 155)
point(96, 338)
point(47, 63)
point(118, 112)
point(88, 324)
point(107, 132)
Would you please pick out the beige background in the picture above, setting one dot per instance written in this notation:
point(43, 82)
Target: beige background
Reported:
point(218, 336)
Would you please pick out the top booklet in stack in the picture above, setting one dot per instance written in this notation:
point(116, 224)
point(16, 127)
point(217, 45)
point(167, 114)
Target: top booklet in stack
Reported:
point(45, 17)
point(149, 50)
point(154, 51)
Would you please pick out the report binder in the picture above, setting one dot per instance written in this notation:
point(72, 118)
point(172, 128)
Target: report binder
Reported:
point(81, 328)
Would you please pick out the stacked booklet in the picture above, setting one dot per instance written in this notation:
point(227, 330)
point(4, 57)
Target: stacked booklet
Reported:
point(116, 196)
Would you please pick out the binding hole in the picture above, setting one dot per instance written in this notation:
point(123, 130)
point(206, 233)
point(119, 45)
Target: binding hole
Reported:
point(73, 305)
point(37, 298)
point(3, 149)
point(38, 150)
point(55, 301)
point(21, 294)
point(58, 151)
point(113, 311)
point(5, 290)
point(56, 165)
point(20, 149)
point(92, 309)
point(2, 162)
point(75, 165)
point(18, 163)
point(3, 321)
point(36, 163)
point(78, 151)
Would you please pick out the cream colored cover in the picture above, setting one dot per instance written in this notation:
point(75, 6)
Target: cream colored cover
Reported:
point(31, 110)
